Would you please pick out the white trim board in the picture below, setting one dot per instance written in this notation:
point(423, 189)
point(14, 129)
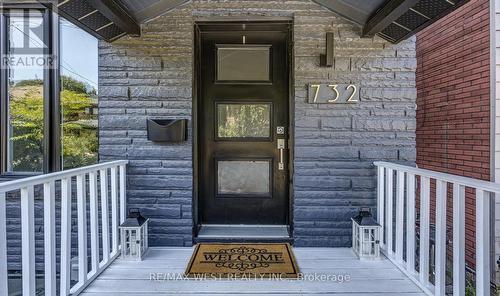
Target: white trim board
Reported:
point(495, 126)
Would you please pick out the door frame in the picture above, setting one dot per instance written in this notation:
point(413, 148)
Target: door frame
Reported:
point(196, 97)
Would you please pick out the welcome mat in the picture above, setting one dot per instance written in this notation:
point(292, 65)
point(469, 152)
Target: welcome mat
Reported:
point(242, 260)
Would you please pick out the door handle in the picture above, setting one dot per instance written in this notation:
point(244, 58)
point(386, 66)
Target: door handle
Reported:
point(281, 148)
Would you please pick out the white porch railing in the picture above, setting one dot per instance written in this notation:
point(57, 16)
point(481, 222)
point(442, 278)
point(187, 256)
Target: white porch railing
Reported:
point(393, 195)
point(85, 177)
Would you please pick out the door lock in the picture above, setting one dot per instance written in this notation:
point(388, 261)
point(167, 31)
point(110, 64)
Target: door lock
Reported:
point(281, 148)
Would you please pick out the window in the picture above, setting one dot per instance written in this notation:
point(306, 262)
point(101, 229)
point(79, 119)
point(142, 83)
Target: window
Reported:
point(25, 94)
point(43, 129)
point(78, 68)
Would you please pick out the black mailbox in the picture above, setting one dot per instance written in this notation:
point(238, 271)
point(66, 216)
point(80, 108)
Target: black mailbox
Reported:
point(167, 130)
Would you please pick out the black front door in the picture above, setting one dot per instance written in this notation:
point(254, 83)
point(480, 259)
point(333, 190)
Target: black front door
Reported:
point(243, 124)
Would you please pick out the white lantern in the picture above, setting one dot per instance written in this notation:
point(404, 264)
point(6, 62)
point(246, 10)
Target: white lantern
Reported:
point(365, 235)
point(134, 236)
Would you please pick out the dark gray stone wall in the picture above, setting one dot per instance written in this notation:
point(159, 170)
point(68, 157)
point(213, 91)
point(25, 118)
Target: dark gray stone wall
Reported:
point(335, 145)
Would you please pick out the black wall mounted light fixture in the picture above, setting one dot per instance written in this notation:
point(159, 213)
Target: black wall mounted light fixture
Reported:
point(326, 60)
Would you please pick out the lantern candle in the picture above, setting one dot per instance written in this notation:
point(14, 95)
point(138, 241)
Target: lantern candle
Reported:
point(134, 236)
point(365, 235)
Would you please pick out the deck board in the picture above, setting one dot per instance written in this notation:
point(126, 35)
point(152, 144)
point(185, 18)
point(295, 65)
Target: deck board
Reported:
point(367, 277)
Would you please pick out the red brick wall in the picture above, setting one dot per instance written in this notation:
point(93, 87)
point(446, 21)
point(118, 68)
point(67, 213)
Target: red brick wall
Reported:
point(453, 100)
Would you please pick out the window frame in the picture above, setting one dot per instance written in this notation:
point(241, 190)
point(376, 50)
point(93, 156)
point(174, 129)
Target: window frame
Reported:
point(51, 92)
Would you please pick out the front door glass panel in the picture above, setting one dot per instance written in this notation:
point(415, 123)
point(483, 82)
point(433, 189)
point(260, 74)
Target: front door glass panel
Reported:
point(243, 120)
point(243, 63)
point(243, 177)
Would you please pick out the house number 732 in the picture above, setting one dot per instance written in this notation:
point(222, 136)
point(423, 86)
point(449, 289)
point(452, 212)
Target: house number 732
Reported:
point(333, 94)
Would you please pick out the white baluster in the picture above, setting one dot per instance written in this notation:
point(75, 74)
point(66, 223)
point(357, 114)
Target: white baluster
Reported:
point(482, 242)
point(381, 203)
point(400, 191)
point(458, 240)
point(82, 228)
point(104, 215)
point(424, 229)
point(28, 240)
point(49, 233)
point(440, 269)
point(410, 224)
point(114, 210)
point(123, 193)
point(389, 209)
point(65, 236)
point(94, 227)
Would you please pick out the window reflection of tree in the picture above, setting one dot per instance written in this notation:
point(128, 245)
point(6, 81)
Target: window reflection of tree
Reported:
point(251, 120)
point(79, 127)
point(26, 126)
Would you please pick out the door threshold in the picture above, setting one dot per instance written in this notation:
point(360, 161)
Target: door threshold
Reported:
point(243, 232)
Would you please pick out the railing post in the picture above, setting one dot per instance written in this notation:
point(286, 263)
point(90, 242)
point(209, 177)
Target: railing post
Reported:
point(114, 210)
point(440, 269)
point(424, 229)
point(400, 191)
point(104, 215)
point(94, 226)
point(82, 228)
point(458, 240)
point(4, 288)
point(482, 242)
point(123, 193)
point(389, 209)
point(65, 236)
point(49, 233)
point(28, 240)
point(410, 223)
point(381, 203)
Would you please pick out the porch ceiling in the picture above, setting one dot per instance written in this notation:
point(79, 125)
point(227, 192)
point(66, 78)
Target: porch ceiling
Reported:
point(393, 20)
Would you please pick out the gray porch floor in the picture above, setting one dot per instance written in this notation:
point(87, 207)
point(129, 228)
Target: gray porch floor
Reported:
point(366, 277)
